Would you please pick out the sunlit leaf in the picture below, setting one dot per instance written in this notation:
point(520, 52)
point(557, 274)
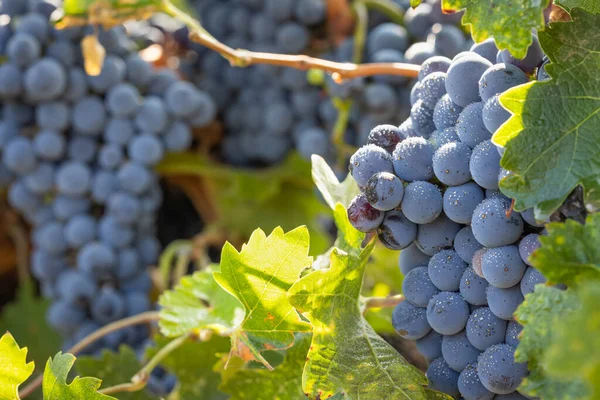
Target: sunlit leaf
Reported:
point(14, 368)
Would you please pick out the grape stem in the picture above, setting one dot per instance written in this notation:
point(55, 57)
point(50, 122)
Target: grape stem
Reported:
point(142, 318)
point(383, 302)
point(246, 58)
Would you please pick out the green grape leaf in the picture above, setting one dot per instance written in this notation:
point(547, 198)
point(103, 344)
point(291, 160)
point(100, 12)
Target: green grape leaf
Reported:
point(346, 355)
point(415, 3)
point(553, 139)
point(113, 369)
point(193, 364)
point(283, 383)
point(29, 330)
point(330, 187)
point(259, 277)
point(570, 253)
point(540, 314)
point(14, 368)
point(266, 198)
point(349, 239)
point(509, 22)
point(591, 6)
point(55, 384)
point(198, 302)
point(575, 352)
point(76, 7)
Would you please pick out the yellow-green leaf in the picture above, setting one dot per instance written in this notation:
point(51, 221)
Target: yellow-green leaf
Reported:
point(55, 384)
point(509, 21)
point(592, 6)
point(14, 368)
point(330, 187)
point(259, 277)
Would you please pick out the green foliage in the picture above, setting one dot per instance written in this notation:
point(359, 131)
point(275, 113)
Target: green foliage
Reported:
point(113, 369)
point(55, 384)
point(197, 303)
point(509, 22)
point(553, 139)
point(259, 277)
point(283, 383)
point(76, 7)
point(30, 329)
point(14, 368)
point(570, 253)
point(588, 5)
point(246, 199)
point(415, 3)
point(330, 187)
point(193, 364)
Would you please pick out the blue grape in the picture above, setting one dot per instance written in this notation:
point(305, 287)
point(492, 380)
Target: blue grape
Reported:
point(542, 74)
point(437, 235)
point(491, 225)
point(410, 321)
point(418, 20)
point(63, 51)
point(124, 207)
point(279, 10)
point(396, 232)
point(406, 129)
point(136, 303)
point(485, 165)
point(458, 352)
point(485, 329)
point(21, 198)
point(45, 266)
point(411, 258)
point(149, 249)
point(422, 202)
point(128, 263)
point(486, 49)
point(134, 177)
point(469, 385)
point(498, 79)
point(114, 233)
point(50, 238)
point(312, 141)
point(18, 113)
point(421, 116)
point(513, 329)
point(446, 113)
point(79, 230)
point(23, 49)
point(529, 217)
point(470, 127)
point(460, 202)
point(108, 306)
point(183, 99)
point(292, 38)
point(418, 288)
point(310, 12)
point(160, 81)
point(53, 116)
point(76, 85)
point(498, 370)
point(384, 191)
point(65, 206)
point(73, 178)
point(380, 100)
point(145, 149)
point(34, 24)
point(367, 161)
point(110, 156)
point(447, 313)
point(44, 80)
point(82, 149)
point(40, 180)
point(122, 100)
point(118, 131)
point(96, 259)
point(413, 159)
point(386, 137)
point(473, 288)
point(451, 164)
point(447, 39)
point(466, 245)
point(75, 287)
point(178, 137)
point(388, 56)
point(463, 76)
point(278, 119)
point(443, 378)
point(430, 345)
point(89, 116)
point(531, 278)
point(112, 73)
point(65, 317)
point(433, 88)
point(415, 93)
point(10, 81)
point(387, 36)
point(502, 266)
point(532, 60)
point(8, 130)
point(446, 269)
point(504, 302)
point(138, 71)
point(18, 156)
point(104, 183)
point(434, 64)
point(363, 216)
point(440, 138)
point(493, 114)
point(152, 115)
point(140, 283)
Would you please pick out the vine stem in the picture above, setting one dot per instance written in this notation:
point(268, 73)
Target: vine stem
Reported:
point(246, 58)
point(140, 379)
point(383, 302)
point(94, 336)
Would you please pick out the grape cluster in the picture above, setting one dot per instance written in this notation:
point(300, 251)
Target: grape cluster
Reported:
point(77, 152)
point(430, 188)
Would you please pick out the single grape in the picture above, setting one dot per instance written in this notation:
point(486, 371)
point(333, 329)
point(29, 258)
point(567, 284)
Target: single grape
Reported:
point(470, 127)
point(292, 38)
point(446, 113)
point(108, 306)
point(21, 198)
point(64, 52)
point(458, 352)
point(73, 178)
point(104, 183)
point(368, 161)
point(485, 329)
point(421, 116)
point(494, 114)
point(422, 202)
point(145, 149)
point(445, 270)
point(152, 115)
point(114, 233)
point(486, 49)
point(494, 226)
point(411, 258)
point(418, 288)
point(10, 81)
point(79, 230)
point(513, 329)
point(18, 156)
point(498, 370)
point(433, 88)
point(504, 302)
point(310, 12)
point(440, 138)
point(451, 164)
point(413, 159)
point(49, 237)
point(134, 177)
point(531, 278)
point(179, 137)
point(123, 100)
point(498, 79)
point(65, 206)
point(363, 216)
point(23, 49)
point(396, 232)
point(464, 91)
point(136, 303)
point(430, 345)
point(410, 321)
point(473, 288)
point(460, 202)
point(65, 317)
point(54, 116)
point(88, 116)
point(469, 385)
point(532, 60)
point(485, 165)
point(112, 73)
point(466, 245)
point(76, 287)
point(124, 207)
point(437, 235)
point(138, 71)
point(527, 246)
point(447, 313)
point(387, 36)
point(502, 266)
point(77, 86)
point(96, 259)
point(384, 191)
point(385, 136)
point(45, 266)
point(44, 80)
point(434, 64)
point(443, 378)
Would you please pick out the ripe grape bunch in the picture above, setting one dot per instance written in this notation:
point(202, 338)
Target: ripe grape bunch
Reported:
point(430, 189)
point(78, 152)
